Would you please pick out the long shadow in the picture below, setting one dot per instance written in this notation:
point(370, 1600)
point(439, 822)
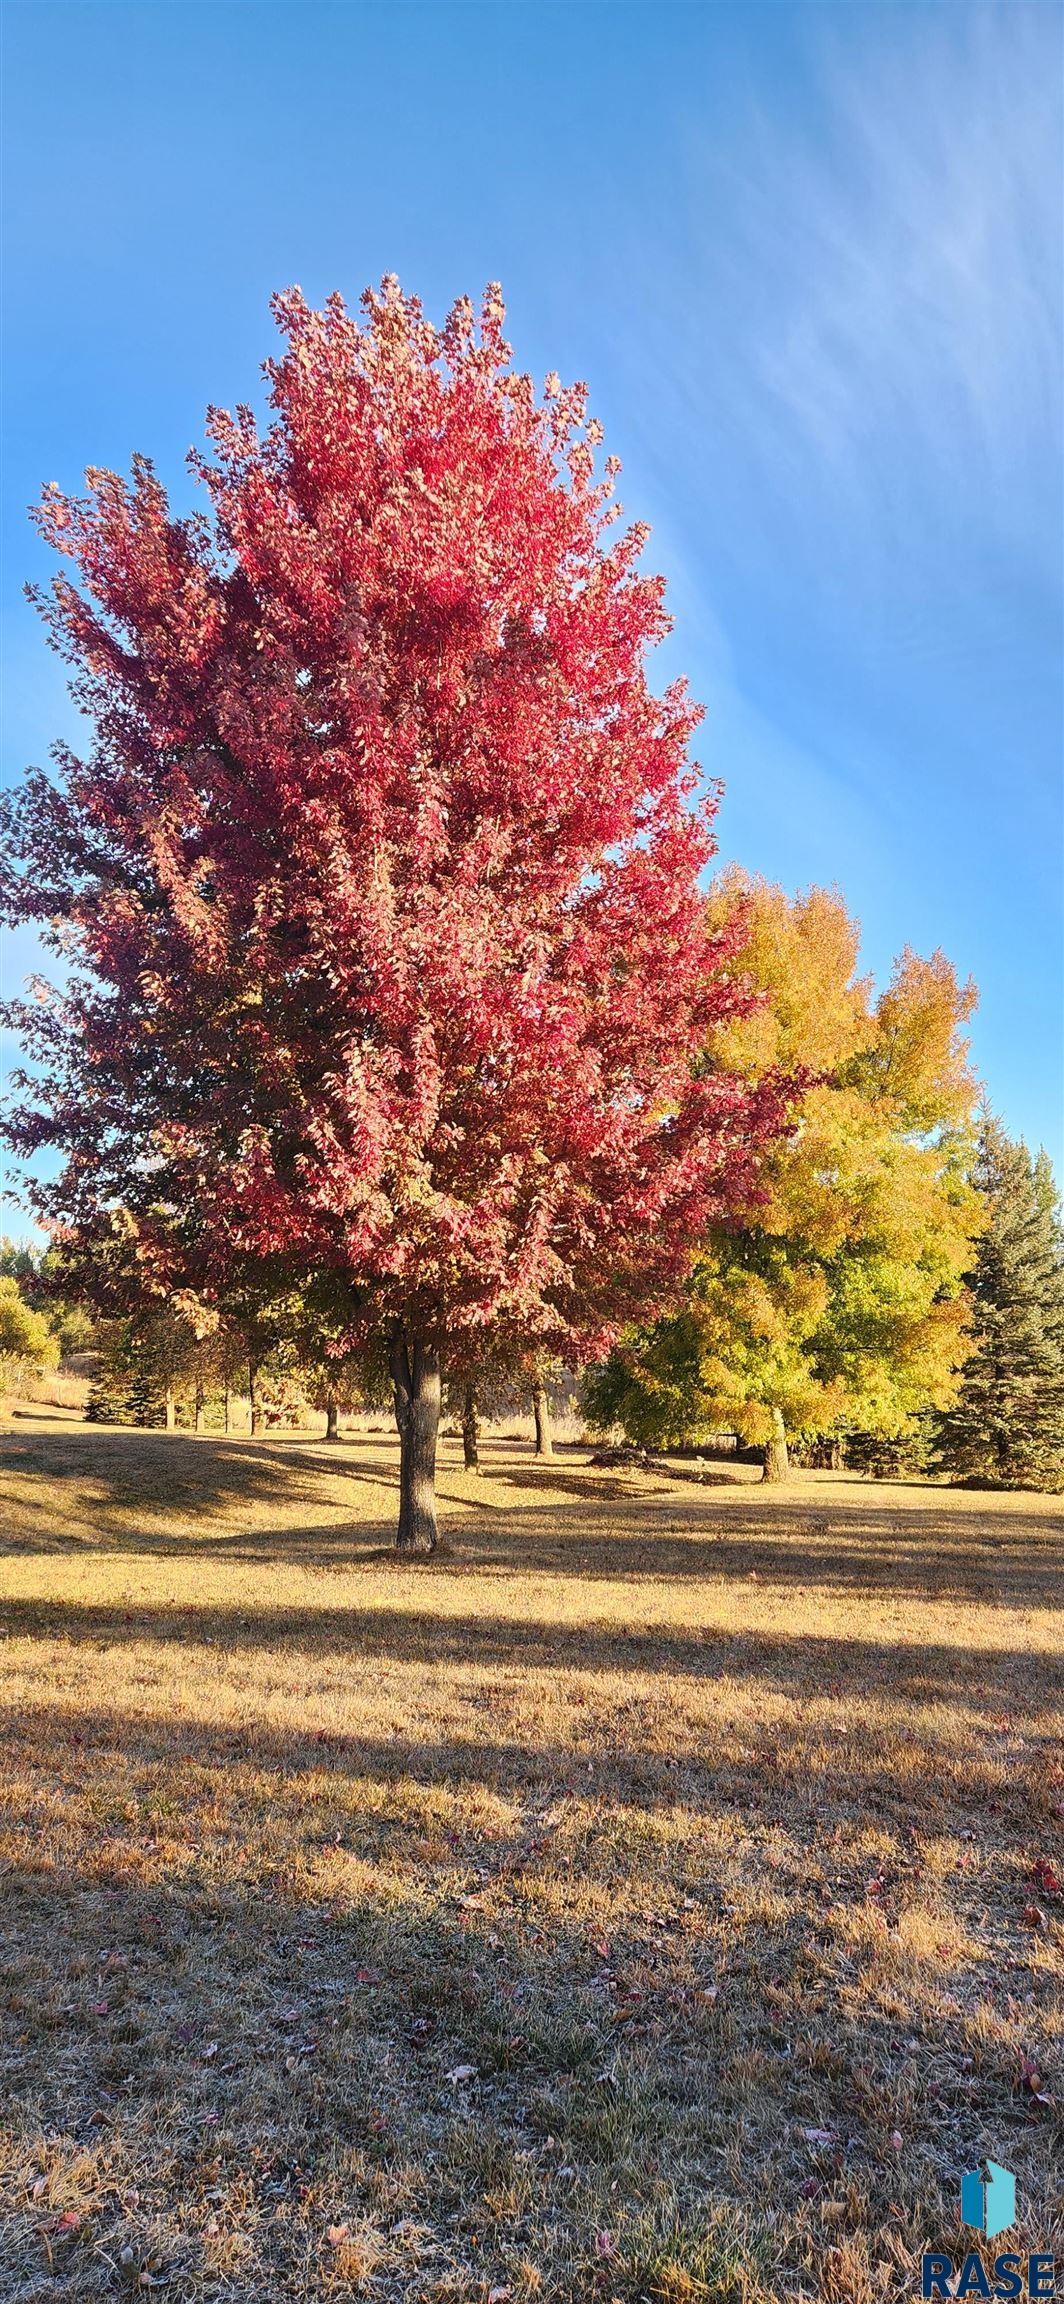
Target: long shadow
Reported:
point(160, 1473)
point(240, 2040)
point(777, 1784)
point(240, 2037)
point(991, 1681)
point(1009, 1557)
point(947, 1778)
point(1021, 1567)
point(833, 1539)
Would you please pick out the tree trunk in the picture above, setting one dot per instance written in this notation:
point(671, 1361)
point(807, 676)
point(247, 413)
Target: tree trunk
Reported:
point(253, 1405)
point(225, 1409)
point(777, 1462)
point(332, 1417)
point(541, 1412)
point(415, 1369)
point(199, 1405)
point(170, 1410)
point(471, 1429)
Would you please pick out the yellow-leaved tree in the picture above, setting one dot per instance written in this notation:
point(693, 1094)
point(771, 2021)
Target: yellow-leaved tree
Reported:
point(836, 1302)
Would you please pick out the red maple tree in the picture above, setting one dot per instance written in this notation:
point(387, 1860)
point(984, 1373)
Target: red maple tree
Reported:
point(379, 884)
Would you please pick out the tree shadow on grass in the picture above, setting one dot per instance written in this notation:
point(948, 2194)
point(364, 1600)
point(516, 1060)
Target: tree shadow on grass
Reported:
point(188, 2039)
point(210, 2050)
point(990, 1681)
point(831, 1538)
point(791, 1778)
point(1019, 1567)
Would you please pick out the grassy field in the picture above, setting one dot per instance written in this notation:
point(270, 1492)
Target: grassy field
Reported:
point(653, 1899)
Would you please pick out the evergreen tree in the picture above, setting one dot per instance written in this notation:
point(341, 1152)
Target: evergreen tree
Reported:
point(1007, 1424)
point(110, 1393)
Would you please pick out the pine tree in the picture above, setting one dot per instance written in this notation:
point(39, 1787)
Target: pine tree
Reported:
point(1007, 1424)
point(110, 1393)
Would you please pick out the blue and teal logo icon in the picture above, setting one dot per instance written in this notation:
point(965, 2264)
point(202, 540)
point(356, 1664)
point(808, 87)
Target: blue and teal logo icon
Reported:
point(988, 2198)
point(988, 2204)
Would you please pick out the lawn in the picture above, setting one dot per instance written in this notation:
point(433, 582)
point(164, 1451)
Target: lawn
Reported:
point(651, 1899)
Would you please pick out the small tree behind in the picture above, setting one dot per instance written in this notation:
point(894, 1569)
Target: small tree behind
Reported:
point(40, 1275)
point(836, 1299)
point(27, 1343)
point(1006, 1426)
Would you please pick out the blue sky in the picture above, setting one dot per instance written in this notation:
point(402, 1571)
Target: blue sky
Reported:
point(807, 258)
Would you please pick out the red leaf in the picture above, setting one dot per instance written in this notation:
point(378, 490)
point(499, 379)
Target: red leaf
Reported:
point(394, 826)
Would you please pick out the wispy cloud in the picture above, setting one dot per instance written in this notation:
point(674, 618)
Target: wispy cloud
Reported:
point(861, 296)
point(916, 266)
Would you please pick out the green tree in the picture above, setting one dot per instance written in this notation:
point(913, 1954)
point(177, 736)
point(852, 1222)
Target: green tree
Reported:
point(1007, 1424)
point(836, 1301)
point(26, 1340)
point(144, 1361)
point(40, 1274)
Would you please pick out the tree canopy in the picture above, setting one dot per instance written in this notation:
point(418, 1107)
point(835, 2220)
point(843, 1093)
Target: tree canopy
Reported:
point(835, 1299)
point(26, 1339)
point(379, 883)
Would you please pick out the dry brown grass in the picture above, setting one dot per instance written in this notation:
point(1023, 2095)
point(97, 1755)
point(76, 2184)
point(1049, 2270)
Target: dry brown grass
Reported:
point(635, 1904)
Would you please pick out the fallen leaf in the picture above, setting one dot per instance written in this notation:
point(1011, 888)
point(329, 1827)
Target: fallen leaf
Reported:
point(1030, 2077)
point(337, 2234)
point(604, 2244)
point(461, 2072)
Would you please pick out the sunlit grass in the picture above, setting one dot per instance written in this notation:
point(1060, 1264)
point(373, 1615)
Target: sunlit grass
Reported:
point(635, 1903)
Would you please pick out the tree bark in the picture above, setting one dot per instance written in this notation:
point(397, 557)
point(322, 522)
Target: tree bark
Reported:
point(332, 1417)
point(541, 1412)
point(253, 1405)
point(199, 1405)
point(415, 1370)
point(471, 1429)
point(776, 1460)
point(225, 1409)
point(169, 1410)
